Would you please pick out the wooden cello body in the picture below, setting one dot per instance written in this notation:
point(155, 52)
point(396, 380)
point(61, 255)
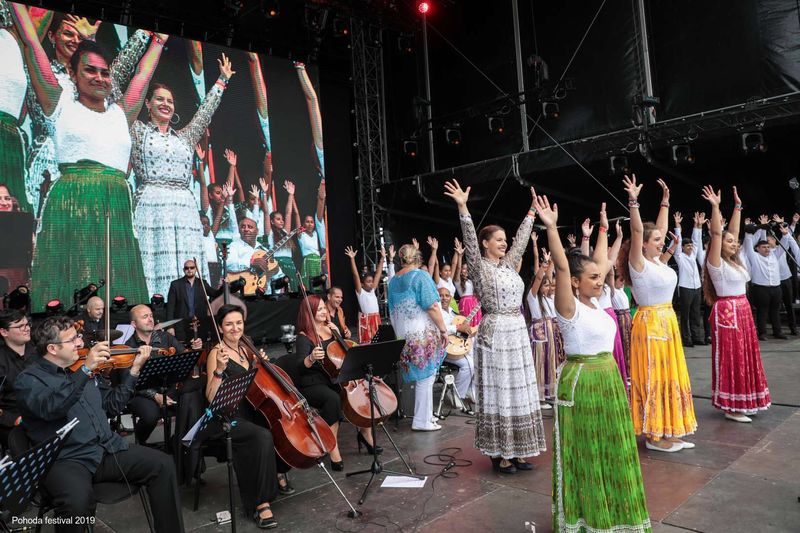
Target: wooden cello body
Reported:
point(355, 394)
point(301, 436)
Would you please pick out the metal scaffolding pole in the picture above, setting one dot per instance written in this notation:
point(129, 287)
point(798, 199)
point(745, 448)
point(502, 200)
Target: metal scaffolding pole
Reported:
point(370, 122)
point(523, 111)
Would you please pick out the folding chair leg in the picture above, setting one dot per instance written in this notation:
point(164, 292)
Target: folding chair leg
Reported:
point(148, 513)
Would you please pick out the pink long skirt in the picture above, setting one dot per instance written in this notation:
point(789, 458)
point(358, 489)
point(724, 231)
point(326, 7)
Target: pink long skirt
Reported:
point(738, 383)
point(619, 351)
point(465, 306)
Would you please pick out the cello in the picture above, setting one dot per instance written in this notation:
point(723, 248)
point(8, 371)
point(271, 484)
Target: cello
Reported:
point(355, 394)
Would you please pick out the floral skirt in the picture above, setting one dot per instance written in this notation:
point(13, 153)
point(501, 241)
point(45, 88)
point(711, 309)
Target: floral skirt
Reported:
point(548, 353)
point(625, 323)
point(661, 394)
point(738, 383)
point(12, 161)
point(70, 249)
point(597, 480)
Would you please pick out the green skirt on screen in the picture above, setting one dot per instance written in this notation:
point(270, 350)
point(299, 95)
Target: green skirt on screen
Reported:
point(12, 161)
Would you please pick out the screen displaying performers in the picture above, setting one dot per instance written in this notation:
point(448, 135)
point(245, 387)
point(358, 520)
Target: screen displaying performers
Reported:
point(185, 147)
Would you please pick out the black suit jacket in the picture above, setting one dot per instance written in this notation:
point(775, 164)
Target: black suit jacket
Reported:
point(177, 305)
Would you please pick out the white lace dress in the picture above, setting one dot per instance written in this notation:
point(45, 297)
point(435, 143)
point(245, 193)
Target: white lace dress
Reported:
point(165, 218)
point(509, 420)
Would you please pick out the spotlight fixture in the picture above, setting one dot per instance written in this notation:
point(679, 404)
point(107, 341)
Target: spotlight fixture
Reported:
point(410, 148)
point(618, 165)
point(19, 298)
point(237, 285)
point(497, 126)
point(423, 8)
point(550, 110)
point(753, 143)
point(453, 134)
point(405, 43)
point(157, 301)
point(318, 281)
point(279, 284)
point(81, 295)
point(288, 337)
point(341, 27)
point(682, 155)
point(119, 303)
point(54, 307)
point(270, 8)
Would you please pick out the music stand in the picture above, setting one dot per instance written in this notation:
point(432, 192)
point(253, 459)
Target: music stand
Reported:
point(226, 402)
point(364, 362)
point(19, 478)
point(160, 372)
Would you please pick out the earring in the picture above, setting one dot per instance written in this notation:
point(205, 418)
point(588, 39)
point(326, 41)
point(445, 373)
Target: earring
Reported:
point(175, 118)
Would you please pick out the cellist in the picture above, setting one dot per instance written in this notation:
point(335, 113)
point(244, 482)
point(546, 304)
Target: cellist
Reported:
point(253, 448)
point(315, 333)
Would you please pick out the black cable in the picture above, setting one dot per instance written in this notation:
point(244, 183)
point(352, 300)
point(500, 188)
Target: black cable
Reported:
point(449, 462)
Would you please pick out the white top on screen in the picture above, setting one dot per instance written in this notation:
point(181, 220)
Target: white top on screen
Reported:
point(13, 82)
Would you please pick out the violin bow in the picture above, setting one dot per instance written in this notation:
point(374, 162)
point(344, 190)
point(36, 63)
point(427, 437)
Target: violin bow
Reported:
point(108, 278)
point(311, 313)
point(208, 303)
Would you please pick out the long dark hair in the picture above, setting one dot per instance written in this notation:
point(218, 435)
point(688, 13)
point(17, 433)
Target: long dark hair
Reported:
point(577, 264)
point(709, 292)
point(88, 47)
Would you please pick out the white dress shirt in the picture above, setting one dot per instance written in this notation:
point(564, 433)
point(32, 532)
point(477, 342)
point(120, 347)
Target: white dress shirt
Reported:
point(697, 240)
point(788, 242)
point(688, 271)
point(764, 270)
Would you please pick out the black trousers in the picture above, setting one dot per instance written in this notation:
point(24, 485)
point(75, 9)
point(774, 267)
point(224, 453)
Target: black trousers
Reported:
point(787, 299)
point(326, 400)
point(767, 301)
point(254, 464)
point(692, 329)
point(70, 484)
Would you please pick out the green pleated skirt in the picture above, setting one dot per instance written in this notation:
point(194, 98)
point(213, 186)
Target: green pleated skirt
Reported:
point(70, 248)
point(597, 480)
point(311, 268)
point(12, 160)
point(287, 267)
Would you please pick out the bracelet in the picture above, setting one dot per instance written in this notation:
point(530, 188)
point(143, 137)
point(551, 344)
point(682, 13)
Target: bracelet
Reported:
point(602, 229)
point(85, 370)
point(670, 253)
point(664, 204)
point(158, 40)
point(738, 206)
point(585, 238)
point(221, 84)
point(532, 211)
point(633, 205)
point(219, 375)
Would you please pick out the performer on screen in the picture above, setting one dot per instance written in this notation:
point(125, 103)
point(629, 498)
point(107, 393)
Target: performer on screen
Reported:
point(314, 116)
point(242, 250)
point(276, 229)
point(93, 150)
point(312, 240)
point(165, 212)
point(65, 32)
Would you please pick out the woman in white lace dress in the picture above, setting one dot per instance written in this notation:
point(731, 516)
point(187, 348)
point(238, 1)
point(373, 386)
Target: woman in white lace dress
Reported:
point(165, 211)
point(509, 419)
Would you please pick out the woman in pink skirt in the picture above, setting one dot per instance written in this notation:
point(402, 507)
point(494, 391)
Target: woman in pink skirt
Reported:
point(738, 384)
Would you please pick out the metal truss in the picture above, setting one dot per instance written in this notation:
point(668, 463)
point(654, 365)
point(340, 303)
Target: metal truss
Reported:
point(370, 122)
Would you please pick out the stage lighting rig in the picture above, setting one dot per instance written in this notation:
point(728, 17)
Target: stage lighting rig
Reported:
point(119, 304)
point(423, 8)
point(157, 302)
point(550, 110)
point(452, 134)
point(410, 148)
point(270, 8)
point(497, 126)
point(54, 307)
point(19, 299)
point(618, 165)
point(682, 155)
point(405, 43)
point(341, 27)
point(318, 281)
point(753, 143)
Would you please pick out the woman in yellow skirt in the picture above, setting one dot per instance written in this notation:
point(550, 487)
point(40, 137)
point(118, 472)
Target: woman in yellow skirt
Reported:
point(661, 394)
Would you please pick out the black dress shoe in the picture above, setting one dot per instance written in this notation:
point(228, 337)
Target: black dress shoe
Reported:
point(781, 336)
point(286, 489)
point(521, 465)
point(688, 345)
point(337, 466)
point(762, 337)
point(699, 343)
point(708, 340)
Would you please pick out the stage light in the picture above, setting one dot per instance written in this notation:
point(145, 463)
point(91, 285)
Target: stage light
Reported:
point(497, 126)
point(453, 134)
point(341, 27)
point(318, 281)
point(54, 307)
point(19, 299)
point(550, 110)
point(410, 148)
point(682, 155)
point(618, 165)
point(279, 284)
point(270, 8)
point(405, 43)
point(119, 303)
point(288, 337)
point(237, 285)
point(157, 301)
point(81, 295)
point(753, 143)
point(423, 7)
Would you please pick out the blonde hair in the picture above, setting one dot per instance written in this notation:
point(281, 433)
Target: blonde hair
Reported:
point(410, 255)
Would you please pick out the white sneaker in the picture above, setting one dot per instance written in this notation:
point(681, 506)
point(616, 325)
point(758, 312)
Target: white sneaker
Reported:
point(738, 417)
point(676, 447)
point(686, 445)
point(544, 406)
point(432, 427)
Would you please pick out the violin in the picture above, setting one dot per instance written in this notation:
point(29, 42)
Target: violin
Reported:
point(355, 393)
point(302, 438)
point(122, 356)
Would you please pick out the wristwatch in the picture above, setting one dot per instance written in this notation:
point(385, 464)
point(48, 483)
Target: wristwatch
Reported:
point(219, 375)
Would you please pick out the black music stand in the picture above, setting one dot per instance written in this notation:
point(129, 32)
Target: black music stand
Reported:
point(161, 372)
point(226, 402)
point(20, 478)
point(364, 362)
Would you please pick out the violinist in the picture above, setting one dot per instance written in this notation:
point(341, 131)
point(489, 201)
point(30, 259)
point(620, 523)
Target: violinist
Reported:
point(146, 406)
point(314, 335)
point(49, 395)
point(253, 447)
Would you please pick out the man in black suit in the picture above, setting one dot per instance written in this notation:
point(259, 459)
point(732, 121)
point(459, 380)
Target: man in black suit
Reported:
point(186, 298)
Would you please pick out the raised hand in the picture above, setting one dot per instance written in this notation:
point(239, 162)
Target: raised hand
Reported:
point(433, 242)
point(548, 215)
point(254, 190)
point(391, 252)
point(711, 197)
point(784, 229)
point(349, 252)
point(619, 228)
point(383, 253)
point(321, 190)
point(82, 26)
point(778, 219)
point(454, 191)
point(736, 200)
point(631, 187)
point(674, 241)
point(230, 157)
point(545, 257)
point(225, 67)
point(201, 154)
point(571, 240)
point(664, 190)
point(587, 228)
point(289, 186)
point(603, 216)
point(534, 239)
point(678, 217)
point(457, 247)
point(763, 219)
point(415, 242)
point(228, 191)
point(263, 184)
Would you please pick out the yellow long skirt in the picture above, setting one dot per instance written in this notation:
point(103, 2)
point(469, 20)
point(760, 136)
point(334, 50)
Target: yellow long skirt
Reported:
point(661, 394)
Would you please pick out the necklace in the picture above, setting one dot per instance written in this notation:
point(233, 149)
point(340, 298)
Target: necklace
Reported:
point(238, 351)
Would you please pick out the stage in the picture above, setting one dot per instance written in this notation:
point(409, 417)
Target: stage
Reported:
point(741, 478)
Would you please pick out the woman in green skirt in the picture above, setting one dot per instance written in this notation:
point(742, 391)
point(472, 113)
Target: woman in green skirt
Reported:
point(92, 146)
point(597, 481)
